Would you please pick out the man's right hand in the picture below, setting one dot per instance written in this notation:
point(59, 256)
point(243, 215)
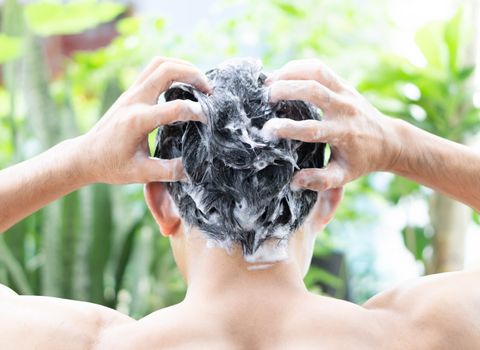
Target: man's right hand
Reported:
point(116, 149)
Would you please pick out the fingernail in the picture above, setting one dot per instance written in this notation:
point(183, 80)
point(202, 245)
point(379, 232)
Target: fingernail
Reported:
point(196, 109)
point(298, 182)
point(294, 187)
point(270, 129)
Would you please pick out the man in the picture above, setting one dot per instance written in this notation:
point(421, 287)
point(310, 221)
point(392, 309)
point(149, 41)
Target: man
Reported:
point(236, 298)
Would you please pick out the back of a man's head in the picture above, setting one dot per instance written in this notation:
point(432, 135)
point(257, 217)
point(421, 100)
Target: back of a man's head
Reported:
point(238, 189)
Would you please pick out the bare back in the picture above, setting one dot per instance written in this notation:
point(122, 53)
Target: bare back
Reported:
point(422, 315)
point(437, 312)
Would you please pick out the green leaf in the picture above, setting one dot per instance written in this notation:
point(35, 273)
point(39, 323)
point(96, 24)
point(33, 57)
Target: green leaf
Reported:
point(128, 26)
point(453, 38)
point(429, 40)
point(52, 18)
point(400, 187)
point(416, 240)
point(465, 73)
point(290, 9)
point(10, 48)
point(476, 218)
point(14, 268)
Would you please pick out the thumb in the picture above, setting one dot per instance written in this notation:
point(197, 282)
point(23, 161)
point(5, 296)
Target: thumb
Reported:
point(332, 176)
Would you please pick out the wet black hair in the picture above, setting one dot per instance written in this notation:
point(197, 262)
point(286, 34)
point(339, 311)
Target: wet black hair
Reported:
point(238, 188)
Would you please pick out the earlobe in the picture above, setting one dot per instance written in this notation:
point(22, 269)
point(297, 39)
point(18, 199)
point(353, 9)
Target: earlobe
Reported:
point(162, 208)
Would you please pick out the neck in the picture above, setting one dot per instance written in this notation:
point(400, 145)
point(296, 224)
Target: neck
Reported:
point(214, 273)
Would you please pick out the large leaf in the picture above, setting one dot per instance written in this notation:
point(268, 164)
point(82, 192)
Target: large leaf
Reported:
point(102, 226)
point(52, 18)
point(429, 40)
point(416, 239)
point(10, 48)
point(476, 217)
point(454, 34)
point(14, 268)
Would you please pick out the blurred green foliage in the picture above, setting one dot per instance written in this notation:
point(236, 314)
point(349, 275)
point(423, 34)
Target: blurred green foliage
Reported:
point(100, 244)
point(48, 18)
point(436, 96)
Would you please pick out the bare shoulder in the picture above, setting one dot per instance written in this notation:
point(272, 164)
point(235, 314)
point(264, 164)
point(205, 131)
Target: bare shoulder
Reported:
point(51, 323)
point(6, 292)
point(152, 331)
point(439, 311)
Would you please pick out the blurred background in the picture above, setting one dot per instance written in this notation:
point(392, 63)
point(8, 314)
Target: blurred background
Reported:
point(64, 63)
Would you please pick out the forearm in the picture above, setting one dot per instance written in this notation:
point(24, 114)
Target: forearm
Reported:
point(30, 185)
point(440, 164)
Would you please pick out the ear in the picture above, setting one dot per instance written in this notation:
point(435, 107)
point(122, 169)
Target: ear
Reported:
point(162, 208)
point(325, 207)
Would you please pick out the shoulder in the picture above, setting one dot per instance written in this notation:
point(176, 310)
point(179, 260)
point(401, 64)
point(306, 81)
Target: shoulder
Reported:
point(440, 311)
point(52, 323)
point(6, 292)
point(152, 331)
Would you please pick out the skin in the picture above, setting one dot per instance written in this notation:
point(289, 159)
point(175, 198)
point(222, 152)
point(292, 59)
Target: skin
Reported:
point(228, 305)
point(363, 140)
point(92, 158)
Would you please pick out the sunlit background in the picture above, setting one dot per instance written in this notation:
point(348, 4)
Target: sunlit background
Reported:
point(64, 63)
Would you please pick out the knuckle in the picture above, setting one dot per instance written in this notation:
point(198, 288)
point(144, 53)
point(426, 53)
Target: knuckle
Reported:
point(134, 109)
point(158, 60)
point(350, 134)
point(347, 106)
point(311, 87)
point(179, 107)
point(319, 92)
point(129, 95)
point(167, 67)
point(318, 70)
point(129, 115)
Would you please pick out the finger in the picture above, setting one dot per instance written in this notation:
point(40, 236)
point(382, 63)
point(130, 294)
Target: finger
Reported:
point(303, 130)
point(150, 117)
point(306, 90)
point(309, 69)
point(162, 170)
point(163, 77)
point(157, 61)
point(332, 176)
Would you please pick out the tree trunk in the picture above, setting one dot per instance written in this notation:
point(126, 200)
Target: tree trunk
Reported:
point(450, 220)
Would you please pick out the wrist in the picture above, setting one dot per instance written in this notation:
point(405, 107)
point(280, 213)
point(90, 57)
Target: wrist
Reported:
point(74, 158)
point(392, 151)
point(401, 146)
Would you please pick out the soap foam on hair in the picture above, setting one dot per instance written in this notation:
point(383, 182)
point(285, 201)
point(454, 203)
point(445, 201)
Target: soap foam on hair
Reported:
point(238, 187)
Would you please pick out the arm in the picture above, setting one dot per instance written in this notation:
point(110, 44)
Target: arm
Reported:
point(363, 140)
point(30, 185)
point(115, 150)
point(29, 322)
point(443, 165)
